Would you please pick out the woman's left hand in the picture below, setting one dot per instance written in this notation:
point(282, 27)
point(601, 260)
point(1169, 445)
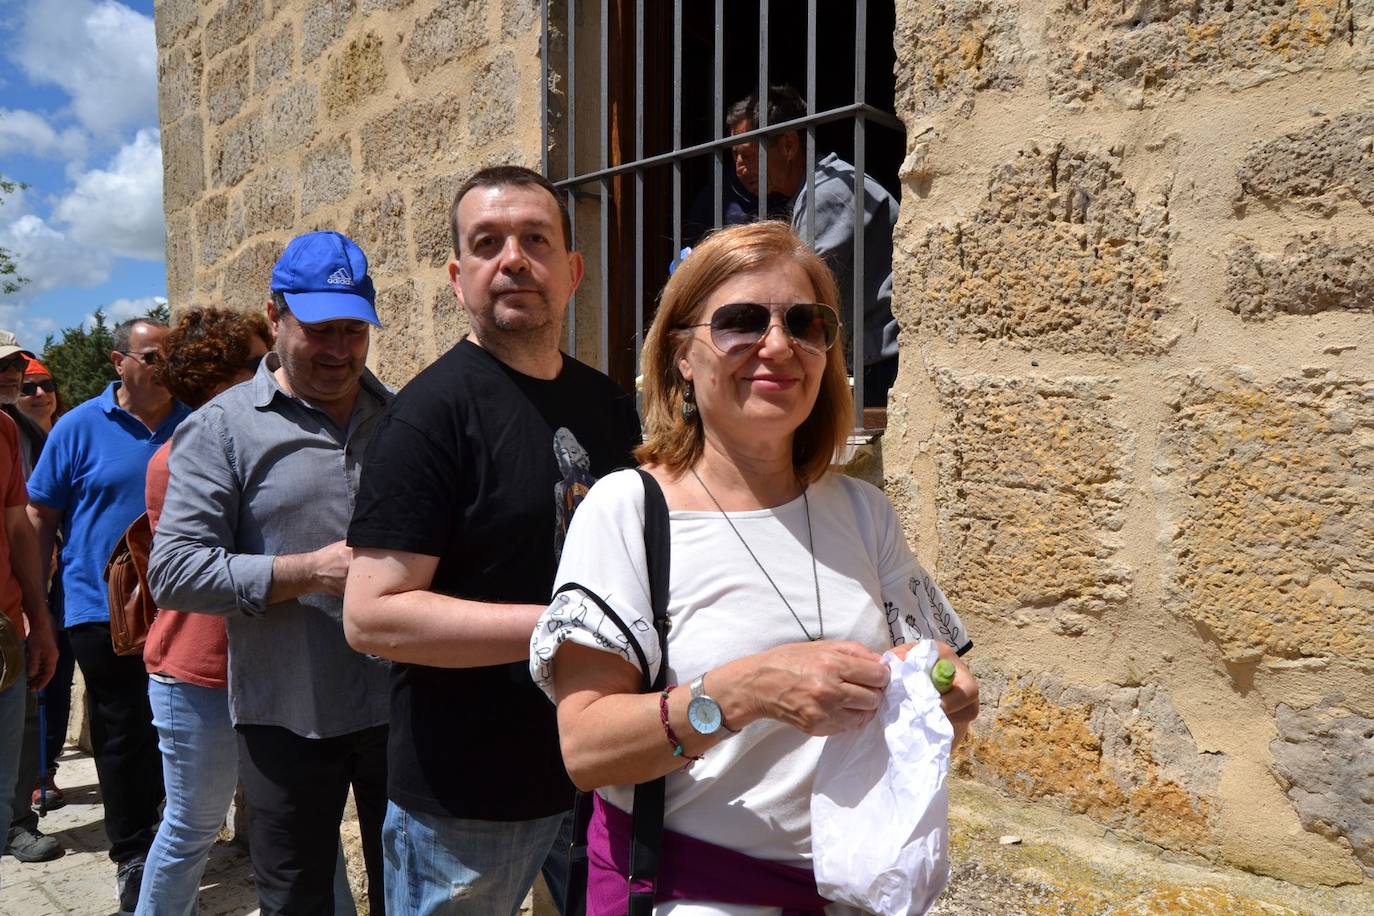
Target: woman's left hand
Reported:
point(960, 702)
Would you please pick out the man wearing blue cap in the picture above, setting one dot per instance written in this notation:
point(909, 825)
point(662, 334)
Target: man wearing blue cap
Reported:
point(262, 488)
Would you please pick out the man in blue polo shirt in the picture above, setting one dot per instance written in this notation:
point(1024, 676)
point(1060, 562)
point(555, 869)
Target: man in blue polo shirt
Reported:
point(89, 483)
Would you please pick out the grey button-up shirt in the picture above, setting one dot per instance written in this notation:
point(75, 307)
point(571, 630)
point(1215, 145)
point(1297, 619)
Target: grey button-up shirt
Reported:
point(257, 473)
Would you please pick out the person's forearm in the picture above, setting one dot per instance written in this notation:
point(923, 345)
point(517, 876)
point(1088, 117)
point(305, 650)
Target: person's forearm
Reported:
point(44, 523)
point(613, 735)
point(620, 739)
point(24, 561)
point(293, 575)
point(424, 628)
point(190, 576)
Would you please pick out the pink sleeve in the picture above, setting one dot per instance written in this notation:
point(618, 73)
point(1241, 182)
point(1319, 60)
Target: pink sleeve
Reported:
point(155, 488)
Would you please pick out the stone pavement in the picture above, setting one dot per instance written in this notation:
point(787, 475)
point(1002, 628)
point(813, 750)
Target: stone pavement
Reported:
point(81, 883)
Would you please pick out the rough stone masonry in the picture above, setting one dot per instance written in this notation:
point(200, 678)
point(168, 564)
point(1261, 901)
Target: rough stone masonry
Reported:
point(1133, 427)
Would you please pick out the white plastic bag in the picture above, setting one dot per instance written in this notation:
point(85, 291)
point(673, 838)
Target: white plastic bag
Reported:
point(879, 807)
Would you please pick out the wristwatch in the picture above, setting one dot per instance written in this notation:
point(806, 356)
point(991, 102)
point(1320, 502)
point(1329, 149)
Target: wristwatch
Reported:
point(703, 712)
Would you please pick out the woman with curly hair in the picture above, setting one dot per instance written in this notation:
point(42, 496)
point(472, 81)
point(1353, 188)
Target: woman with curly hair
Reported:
point(207, 351)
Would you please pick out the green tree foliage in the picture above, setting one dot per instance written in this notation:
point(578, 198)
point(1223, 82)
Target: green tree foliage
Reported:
point(10, 278)
point(80, 362)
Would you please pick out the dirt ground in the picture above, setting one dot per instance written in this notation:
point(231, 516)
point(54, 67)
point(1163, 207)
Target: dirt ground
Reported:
point(1066, 864)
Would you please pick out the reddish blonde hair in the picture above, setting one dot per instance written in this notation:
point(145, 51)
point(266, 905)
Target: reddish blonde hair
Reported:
point(675, 443)
point(205, 348)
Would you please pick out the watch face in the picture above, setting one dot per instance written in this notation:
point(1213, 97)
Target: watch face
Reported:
point(704, 714)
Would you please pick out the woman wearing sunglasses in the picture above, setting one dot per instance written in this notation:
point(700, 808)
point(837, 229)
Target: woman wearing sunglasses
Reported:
point(38, 397)
point(787, 582)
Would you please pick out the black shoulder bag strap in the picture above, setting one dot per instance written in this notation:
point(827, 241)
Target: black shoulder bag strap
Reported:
point(646, 840)
point(647, 830)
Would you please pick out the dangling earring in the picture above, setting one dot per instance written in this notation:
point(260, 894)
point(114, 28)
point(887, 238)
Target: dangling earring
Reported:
point(689, 403)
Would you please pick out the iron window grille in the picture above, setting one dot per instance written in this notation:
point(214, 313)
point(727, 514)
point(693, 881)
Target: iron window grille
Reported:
point(616, 60)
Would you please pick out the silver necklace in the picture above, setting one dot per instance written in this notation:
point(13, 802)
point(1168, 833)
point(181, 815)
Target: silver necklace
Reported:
point(811, 545)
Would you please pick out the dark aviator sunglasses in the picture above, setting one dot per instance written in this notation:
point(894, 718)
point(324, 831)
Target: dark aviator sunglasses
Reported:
point(738, 326)
point(31, 388)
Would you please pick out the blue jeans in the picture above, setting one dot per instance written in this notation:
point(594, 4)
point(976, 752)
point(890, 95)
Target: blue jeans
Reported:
point(448, 866)
point(12, 704)
point(200, 769)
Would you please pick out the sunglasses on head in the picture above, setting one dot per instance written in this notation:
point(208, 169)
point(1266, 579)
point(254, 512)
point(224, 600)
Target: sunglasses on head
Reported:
point(738, 326)
point(45, 384)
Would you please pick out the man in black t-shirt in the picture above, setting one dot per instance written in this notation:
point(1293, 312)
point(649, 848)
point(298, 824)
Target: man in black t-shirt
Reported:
point(460, 518)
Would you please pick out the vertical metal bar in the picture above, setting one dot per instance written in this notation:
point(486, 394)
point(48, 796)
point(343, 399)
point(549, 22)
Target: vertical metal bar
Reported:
point(639, 182)
point(570, 119)
point(677, 126)
point(605, 138)
point(762, 108)
point(809, 230)
point(544, 87)
point(718, 112)
point(860, 180)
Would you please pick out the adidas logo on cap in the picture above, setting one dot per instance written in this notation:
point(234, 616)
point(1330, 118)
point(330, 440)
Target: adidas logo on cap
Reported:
point(340, 277)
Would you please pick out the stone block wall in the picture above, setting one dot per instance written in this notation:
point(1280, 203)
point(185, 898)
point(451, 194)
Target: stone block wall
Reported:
point(1133, 431)
point(282, 116)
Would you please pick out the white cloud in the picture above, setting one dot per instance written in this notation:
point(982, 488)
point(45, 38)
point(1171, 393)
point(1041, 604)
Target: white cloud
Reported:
point(46, 255)
point(103, 54)
point(26, 132)
point(31, 330)
point(119, 208)
point(124, 309)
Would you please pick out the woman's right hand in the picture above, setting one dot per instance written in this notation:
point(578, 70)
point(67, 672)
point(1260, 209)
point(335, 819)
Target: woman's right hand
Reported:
point(820, 688)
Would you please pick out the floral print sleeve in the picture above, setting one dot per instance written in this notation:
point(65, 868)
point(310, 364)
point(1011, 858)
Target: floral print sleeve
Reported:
point(602, 587)
point(914, 603)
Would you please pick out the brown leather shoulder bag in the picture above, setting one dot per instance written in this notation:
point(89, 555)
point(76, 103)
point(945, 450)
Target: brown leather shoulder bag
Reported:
point(132, 610)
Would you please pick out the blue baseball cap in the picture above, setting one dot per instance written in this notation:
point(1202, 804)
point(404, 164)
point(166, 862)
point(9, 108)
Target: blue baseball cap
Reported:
point(323, 276)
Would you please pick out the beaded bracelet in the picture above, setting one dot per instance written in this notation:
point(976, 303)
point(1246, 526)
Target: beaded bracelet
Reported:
point(678, 750)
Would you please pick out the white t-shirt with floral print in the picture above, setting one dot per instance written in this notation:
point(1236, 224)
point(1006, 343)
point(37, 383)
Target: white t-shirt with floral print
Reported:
point(752, 791)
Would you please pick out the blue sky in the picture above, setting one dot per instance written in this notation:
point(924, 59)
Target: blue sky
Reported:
point(78, 124)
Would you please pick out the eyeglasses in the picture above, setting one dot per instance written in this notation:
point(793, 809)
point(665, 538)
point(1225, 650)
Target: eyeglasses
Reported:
point(737, 326)
point(146, 357)
point(31, 388)
point(18, 361)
